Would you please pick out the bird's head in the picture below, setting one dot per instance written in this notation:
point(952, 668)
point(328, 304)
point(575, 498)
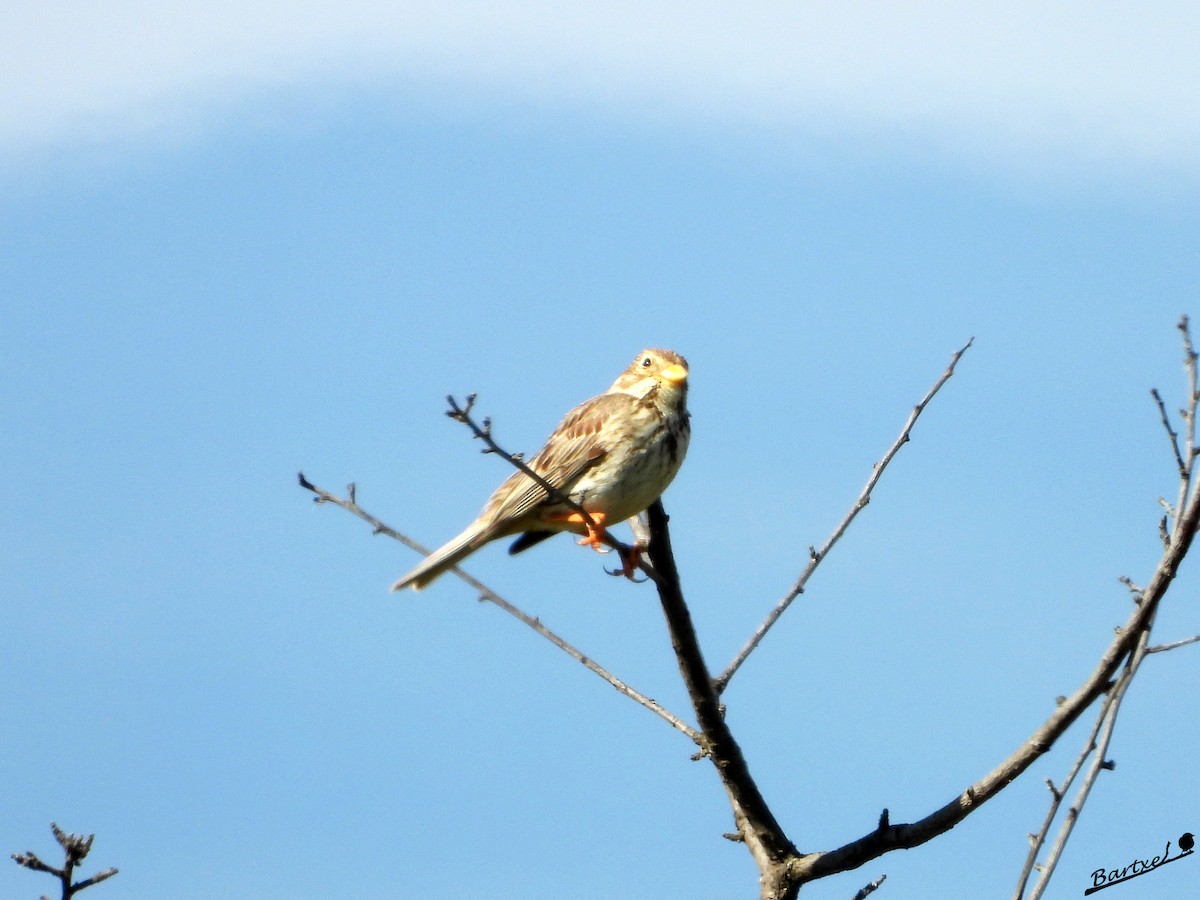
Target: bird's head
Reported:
point(658, 372)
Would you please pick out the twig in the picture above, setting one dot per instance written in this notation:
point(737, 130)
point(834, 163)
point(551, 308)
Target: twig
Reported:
point(1171, 530)
point(816, 556)
point(1129, 644)
point(898, 837)
point(490, 596)
point(1188, 414)
point(1037, 842)
point(1172, 435)
point(1099, 762)
point(906, 836)
point(483, 432)
point(75, 848)
point(350, 504)
point(1163, 648)
point(871, 888)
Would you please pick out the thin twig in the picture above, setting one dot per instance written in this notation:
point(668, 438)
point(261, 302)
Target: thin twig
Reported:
point(1101, 735)
point(95, 879)
point(906, 836)
point(816, 556)
point(871, 888)
point(1172, 435)
point(351, 505)
point(483, 431)
point(1037, 842)
point(1100, 762)
point(489, 595)
point(1102, 731)
point(1188, 414)
point(31, 860)
point(1163, 648)
point(1129, 636)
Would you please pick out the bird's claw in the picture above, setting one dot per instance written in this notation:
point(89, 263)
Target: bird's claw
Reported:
point(631, 558)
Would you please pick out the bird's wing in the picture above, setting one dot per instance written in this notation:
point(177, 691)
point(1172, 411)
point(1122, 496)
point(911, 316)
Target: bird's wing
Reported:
point(572, 449)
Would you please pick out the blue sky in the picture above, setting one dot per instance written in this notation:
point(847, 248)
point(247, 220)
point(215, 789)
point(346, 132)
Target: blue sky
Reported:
point(241, 240)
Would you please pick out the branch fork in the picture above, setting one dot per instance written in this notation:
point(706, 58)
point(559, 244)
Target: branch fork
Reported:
point(75, 848)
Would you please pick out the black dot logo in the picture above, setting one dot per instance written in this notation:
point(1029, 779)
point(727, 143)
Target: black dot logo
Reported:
point(1187, 841)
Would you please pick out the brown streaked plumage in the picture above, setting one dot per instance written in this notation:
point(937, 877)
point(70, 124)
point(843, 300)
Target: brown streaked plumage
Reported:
point(613, 455)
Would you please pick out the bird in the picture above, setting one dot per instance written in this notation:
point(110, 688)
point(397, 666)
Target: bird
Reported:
point(612, 455)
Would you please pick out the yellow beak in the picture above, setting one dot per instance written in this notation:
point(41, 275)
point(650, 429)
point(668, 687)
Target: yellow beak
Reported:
point(674, 373)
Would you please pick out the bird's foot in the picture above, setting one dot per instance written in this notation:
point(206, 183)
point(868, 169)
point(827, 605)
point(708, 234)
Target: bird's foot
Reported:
point(630, 561)
point(595, 531)
point(631, 558)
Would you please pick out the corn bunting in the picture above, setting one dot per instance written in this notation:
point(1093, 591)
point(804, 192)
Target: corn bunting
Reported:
point(613, 455)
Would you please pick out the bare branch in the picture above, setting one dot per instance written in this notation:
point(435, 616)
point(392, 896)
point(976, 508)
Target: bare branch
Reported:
point(95, 879)
point(30, 860)
point(895, 837)
point(1172, 435)
point(1169, 530)
point(1188, 414)
point(490, 596)
point(1135, 590)
point(783, 869)
point(1163, 648)
point(816, 556)
point(1129, 646)
point(1038, 841)
point(1099, 761)
point(764, 837)
point(350, 505)
point(75, 849)
point(871, 888)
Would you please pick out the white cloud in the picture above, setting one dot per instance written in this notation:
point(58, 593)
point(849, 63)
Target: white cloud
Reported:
point(1054, 83)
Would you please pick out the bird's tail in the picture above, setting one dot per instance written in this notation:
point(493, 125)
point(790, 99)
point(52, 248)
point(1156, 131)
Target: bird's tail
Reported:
point(444, 558)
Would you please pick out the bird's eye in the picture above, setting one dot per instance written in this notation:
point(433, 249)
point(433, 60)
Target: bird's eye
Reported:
point(646, 363)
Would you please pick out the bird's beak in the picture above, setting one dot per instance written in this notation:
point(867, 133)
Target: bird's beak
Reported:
point(675, 373)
